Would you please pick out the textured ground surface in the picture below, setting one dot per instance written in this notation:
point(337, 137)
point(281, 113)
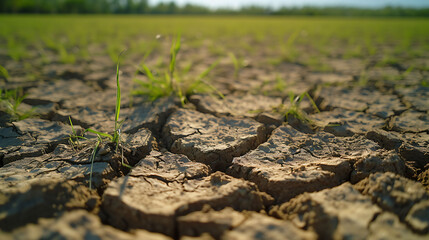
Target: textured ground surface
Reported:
point(229, 168)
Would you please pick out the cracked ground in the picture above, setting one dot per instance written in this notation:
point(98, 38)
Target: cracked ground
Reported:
point(219, 168)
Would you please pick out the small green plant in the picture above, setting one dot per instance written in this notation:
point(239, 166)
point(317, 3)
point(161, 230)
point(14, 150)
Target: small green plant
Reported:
point(3, 72)
point(115, 138)
point(16, 50)
point(363, 79)
point(289, 52)
point(10, 100)
point(294, 108)
point(66, 57)
point(74, 137)
point(238, 64)
point(172, 82)
point(407, 72)
point(280, 84)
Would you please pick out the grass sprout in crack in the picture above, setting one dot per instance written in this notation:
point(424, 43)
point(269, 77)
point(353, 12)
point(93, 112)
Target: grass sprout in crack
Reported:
point(295, 110)
point(10, 102)
point(173, 82)
point(115, 137)
point(74, 137)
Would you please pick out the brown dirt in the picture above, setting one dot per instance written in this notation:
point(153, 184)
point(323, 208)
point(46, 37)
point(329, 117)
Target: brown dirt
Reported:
point(227, 168)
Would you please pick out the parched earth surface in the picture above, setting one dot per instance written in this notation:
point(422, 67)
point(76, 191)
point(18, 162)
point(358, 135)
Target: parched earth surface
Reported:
point(232, 168)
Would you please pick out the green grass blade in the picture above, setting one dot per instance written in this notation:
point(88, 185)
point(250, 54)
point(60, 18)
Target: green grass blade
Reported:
point(316, 109)
point(214, 89)
point(71, 124)
point(99, 133)
point(3, 72)
point(148, 73)
point(118, 101)
point(93, 155)
point(175, 48)
point(208, 70)
point(291, 40)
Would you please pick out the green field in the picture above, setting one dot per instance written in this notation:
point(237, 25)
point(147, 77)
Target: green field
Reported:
point(283, 38)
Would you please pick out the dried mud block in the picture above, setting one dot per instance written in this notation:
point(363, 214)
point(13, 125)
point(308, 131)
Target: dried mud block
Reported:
point(359, 100)
point(40, 198)
point(212, 222)
point(385, 106)
point(153, 201)
point(404, 197)
point(211, 140)
point(377, 161)
point(387, 140)
point(347, 66)
point(383, 73)
point(169, 167)
point(423, 177)
point(65, 71)
point(73, 162)
point(204, 236)
point(291, 162)
point(418, 217)
point(88, 117)
point(416, 97)
point(248, 80)
point(344, 123)
point(338, 213)
point(45, 111)
point(349, 99)
point(413, 147)
point(240, 106)
point(148, 115)
point(46, 167)
point(258, 226)
point(57, 92)
point(282, 86)
point(388, 226)
point(137, 145)
point(45, 132)
point(96, 100)
point(410, 121)
point(328, 78)
point(77, 224)
point(97, 75)
point(31, 138)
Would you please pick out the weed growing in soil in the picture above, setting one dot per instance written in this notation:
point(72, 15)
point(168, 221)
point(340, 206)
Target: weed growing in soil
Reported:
point(238, 64)
point(3, 72)
point(173, 82)
point(66, 57)
point(295, 110)
point(74, 137)
point(115, 138)
point(10, 100)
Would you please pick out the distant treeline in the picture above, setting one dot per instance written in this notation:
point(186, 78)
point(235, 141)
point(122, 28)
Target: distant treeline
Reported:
point(143, 7)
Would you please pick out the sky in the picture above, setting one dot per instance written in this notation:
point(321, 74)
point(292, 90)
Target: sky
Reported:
point(299, 3)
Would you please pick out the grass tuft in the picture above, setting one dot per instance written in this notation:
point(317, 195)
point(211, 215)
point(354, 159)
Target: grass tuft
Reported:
point(74, 137)
point(173, 82)
point(116, 136)
point(3, 72)
point(295, 110)
point(10, 101)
